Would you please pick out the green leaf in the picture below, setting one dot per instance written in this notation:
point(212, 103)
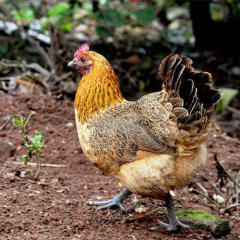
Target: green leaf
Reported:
point(228, 95)
point(66, 27)
point(145, 15)
point(26, 14)
point(88, 6)
point(25, 159)
point(141, 84)
point(110, 17)
point(26, 121)
point(4, 47)
point(59, 9)
point(38, 137)
point(36, 144)
point(103, 32)
point(19, 122)
point(27, 145)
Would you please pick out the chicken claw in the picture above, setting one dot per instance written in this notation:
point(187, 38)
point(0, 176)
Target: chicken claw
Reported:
point(115, 201)
point(174, 223)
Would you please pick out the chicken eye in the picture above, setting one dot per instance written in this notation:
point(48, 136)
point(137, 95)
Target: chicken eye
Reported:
point(83, 59)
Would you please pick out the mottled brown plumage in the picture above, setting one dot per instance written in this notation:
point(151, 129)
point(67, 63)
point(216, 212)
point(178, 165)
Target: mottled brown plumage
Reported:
point(152, 145)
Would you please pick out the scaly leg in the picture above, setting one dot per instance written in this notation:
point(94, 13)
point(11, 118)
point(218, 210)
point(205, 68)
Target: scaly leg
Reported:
point(115, 201)
point(173, 220)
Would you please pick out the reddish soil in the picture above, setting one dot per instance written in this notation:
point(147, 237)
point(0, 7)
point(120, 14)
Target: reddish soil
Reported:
point(58, 205)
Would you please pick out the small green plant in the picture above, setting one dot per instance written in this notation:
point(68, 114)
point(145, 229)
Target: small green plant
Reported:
point(33, 144)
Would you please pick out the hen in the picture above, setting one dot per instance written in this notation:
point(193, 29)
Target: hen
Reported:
point(152, 145)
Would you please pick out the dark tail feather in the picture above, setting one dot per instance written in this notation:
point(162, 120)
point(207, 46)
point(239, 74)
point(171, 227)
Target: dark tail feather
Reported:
point(191, 92)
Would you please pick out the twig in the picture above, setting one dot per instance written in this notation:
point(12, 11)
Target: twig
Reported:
point(225, 172)
point(37, 68)
point(6, 123)
point(199, 185)
point(202, 188)
point(42, 164)
point(237, 192)
point(231, 206)
point(138, 217)
point(237, 188)
point(23, 64)
point(63, 77)
point(233, 110)
point(213, 186)
point(228, 198)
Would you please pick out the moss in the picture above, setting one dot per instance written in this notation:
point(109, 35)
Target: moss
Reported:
point(204, 220)
point(197, 215)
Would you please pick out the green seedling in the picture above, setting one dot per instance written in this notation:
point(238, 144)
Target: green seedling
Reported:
point(33, 144)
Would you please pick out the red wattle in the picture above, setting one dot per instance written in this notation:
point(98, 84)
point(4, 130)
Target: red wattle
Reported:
point(81, 71)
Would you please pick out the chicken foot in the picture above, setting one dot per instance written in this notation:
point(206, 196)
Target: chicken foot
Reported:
point(174, 223)
point(116, 201)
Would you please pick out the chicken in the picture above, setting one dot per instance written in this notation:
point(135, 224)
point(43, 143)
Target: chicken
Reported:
point(153, 145)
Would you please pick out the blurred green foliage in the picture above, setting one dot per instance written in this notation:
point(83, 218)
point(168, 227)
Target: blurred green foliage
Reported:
point(107, 18)
point(60, 15)
point(228, 95)
point(4, 47)
point(135, 13)
point(145, 15)
point(59, 9)
point(225, 10)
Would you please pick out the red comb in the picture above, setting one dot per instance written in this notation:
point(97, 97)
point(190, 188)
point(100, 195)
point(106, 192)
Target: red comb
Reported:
point(84, 48)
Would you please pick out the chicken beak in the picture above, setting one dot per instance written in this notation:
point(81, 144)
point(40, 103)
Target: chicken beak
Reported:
point(72, 64)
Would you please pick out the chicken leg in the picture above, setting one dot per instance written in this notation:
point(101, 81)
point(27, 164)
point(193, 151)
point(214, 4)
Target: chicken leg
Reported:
point(116, 201)
point(173, 219)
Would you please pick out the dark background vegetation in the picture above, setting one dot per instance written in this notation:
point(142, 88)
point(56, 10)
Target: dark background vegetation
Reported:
point(38, 38)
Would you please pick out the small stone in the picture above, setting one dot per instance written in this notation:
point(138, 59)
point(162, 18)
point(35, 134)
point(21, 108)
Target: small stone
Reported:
point(42, 182)
point(218, 198)
point(60, 190)
point(141, 209)
point(203, 220)
point(6, 148)
point(85, 187)
point(99, 198)
point(135, 201)
point(34, 194)
point(68, 202)
point(90, 202)
point(69, 125)
point(153, 228)
point(23, 174)
point(236, 70)
point(9, 175)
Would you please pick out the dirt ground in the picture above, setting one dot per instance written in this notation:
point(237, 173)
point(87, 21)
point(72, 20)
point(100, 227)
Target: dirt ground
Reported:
point(58, 206)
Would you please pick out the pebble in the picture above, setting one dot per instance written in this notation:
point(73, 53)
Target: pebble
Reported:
point(154, 228)
point(6, 148)
point(23, 174)
point(68, 202)
point(218, 198)
point(141, 209)
point(69, 124)
point(99, 198)
point(9, 175)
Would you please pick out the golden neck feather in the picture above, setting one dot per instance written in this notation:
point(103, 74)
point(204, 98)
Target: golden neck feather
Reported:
point(98, 90)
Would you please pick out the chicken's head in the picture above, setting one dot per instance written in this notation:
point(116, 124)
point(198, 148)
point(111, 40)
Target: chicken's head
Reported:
point(82, 60)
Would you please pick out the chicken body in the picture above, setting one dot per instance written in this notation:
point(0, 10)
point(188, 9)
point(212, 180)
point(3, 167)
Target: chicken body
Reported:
point(152, 145)
point(139, 144)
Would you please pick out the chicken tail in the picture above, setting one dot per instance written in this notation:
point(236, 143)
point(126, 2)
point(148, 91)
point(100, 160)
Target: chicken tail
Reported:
point(191, 92)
